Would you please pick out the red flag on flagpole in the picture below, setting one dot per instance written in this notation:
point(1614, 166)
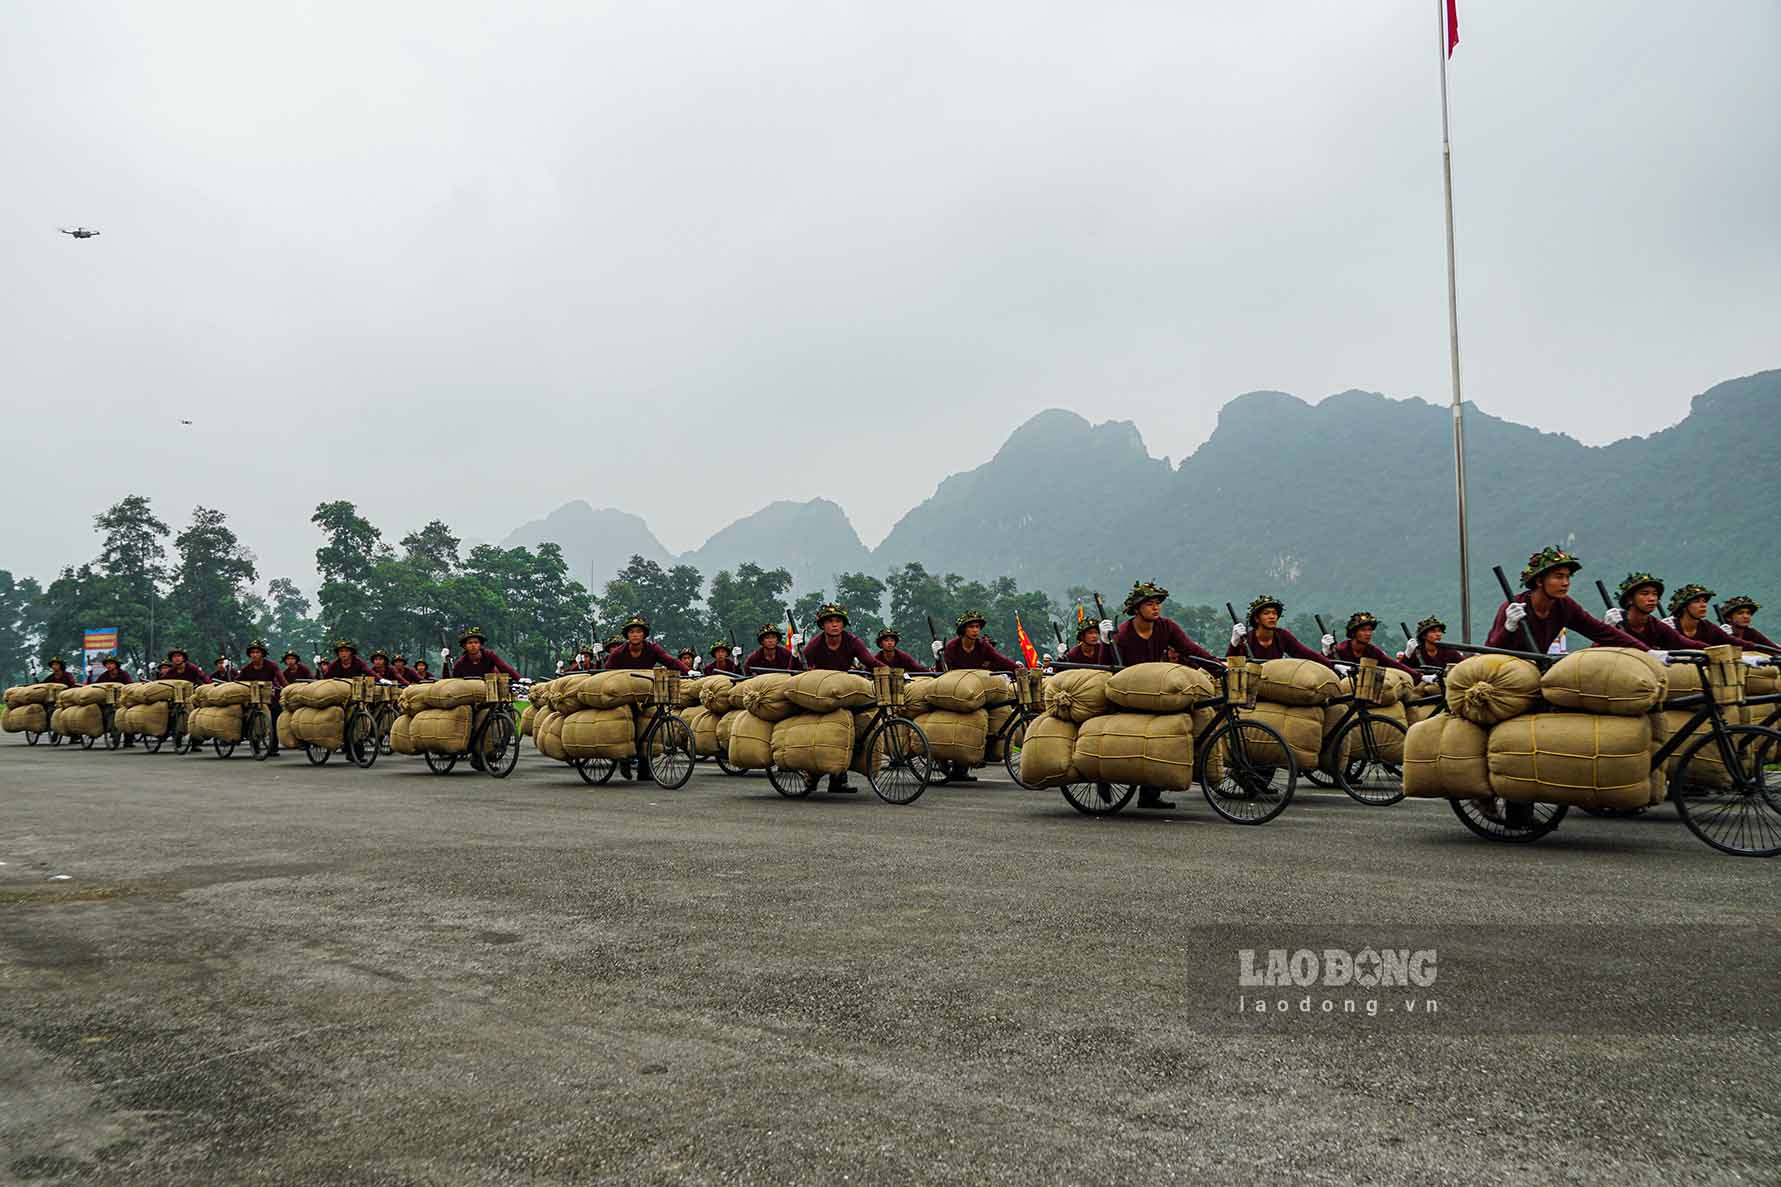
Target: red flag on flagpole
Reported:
point(1452, 25)
point(1026, 645)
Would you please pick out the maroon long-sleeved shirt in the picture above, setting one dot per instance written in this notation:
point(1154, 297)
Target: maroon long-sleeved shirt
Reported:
point(1566, 614)
point(385, 673)
point(1354, 652)
point(109, 676)
point(650, 655)
point(484, 662)
point(1080, 654)
point(190, 671)
point(404, 675)
point(263, 670)
point(780, 661)
point(299, 672)
point(335, 670)
point(1708, 635)
point(982, 657)
point(65, 678)
point(1749, 636)
point(1284, 646)
point(1168, 643)
point(818, 654)
point(723, 665)
point(1441, 658)
point(901, 659)
point(1659, 635)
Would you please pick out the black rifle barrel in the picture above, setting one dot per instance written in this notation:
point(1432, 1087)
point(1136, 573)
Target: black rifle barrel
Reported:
point(1527, 629)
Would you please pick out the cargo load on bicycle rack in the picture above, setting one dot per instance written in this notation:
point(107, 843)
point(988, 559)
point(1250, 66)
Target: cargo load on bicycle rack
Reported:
point(28, 707)
point(147, 707)
point(1133, 726)
point(218, 711)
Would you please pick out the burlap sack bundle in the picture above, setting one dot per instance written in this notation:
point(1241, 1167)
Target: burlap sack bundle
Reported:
point(33, 694)
point(993, 744)
point(725, 724)
point(20, 718)
point(1048, 756)
point(1394, 686)
point(221, 722)
point(620, 688)
point(1618, 681)
point(600, 733)
point(150, 721)
point(402, 735)
point(751, 739)
point(322, 694)
point(1300, 725)
point(1298, 682)
point(825, 692)
point(155, 692)
point(766, 697)
point(1153, 749)
point(715, 691)
point(1486, 689)
point(1761, 682)
point(815, 743)
point(441, 731)
point(451, 694)
point(689, 692)
point(967, 691)
point(1414, 712)
point(1445, 758)
point(1583, 759)
point(87, 694)
point(318, 726)
point(1159, 688)
point(412, 698)
point(1077, 694)
point(955, 737)
point(232, 692)
point(78, 721)
point(703, 723)
point(1388, 744)
point(915, 695)
point(868, 752)
point(1707, 769)
point(282, 727)
point(526, 718)
point(550, 736)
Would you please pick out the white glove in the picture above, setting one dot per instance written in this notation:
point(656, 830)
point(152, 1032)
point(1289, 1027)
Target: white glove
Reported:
point(1614, 617)
point(1669, 620)
point(1238, 630)
point(1662, 657)
point(1514, 614)
point(1329, 642)
point(1755, 661)
point(938, 647)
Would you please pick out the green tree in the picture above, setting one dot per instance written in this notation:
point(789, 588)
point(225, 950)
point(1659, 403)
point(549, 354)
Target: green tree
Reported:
point(669, 598)
point(1209, 626)
point(863, 595)
point(915, 597)
point(741, 603)
point(211, 587)
point(133, 557)
point(20, 623)
point(345, 563)
point(288, 624)
point(79, 598)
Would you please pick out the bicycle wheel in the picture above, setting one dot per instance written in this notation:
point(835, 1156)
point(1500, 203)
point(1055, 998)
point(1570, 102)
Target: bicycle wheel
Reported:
point(723, 764)
point(55, 739)
point(223, 749)
point(1017, 736)
point(595, 771)
point(1731, 806)
point(900, 761)
point(317, 754)
point(1366, 775)
point(1497, 819)
point(152, 745)
point(361, 738)
point(497, 744)
point(441, 764)
point(793, 785)
point(1247, 772)
point(176, 727)
point(672, 766)
point(1317, 777)
point(113, 739)
point(1098, 799)
point(31, 737)
point(256, 731)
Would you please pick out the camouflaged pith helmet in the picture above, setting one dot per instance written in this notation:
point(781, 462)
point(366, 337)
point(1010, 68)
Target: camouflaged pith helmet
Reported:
point(771, 629)
point(718, 646)
point(380, 653)
point(56, 661)
point(635, 620)
point(258, 645)
point(966, 619)
point(1087, 626)
point(1739, 602)
point(180, 652)
point(1143, 591)
point(588, 650)
point(348, 645)
point(1633, 584)
point(290, 655)
point(1546, 560)
point(398, 658)
point(109, 659)
point(686, 653)
point(1685, 595)
point(831, 610)
point(887, 633)
point(1262, 603)
point(1359, 619)
point(1428, 624)
point(474, 632)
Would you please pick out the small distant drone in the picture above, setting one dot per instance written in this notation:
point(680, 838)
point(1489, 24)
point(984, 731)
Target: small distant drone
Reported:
point(79, 232)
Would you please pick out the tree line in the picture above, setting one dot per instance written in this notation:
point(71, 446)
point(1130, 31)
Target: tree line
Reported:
point(196, 589)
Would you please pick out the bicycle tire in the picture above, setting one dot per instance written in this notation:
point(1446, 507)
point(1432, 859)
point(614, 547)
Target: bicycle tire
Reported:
point(1246, 771)
point(1732, 808)
point(1365, 775)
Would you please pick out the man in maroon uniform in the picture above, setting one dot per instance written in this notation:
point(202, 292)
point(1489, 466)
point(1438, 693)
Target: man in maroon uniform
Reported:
point(347, 663)
point(114, 672)
point(1147, 637)
point(638, 650)
point(1267, 639)
point(380, 666)
point(836, 648)
point(258, 667)
point(295, 668)
point(1427, 651)
point(59, 674)
point(400, 670)
point(1736, 613)
point(1547, 608)
point(1359, 644)
point(891, 655)
point(721, 661)
point(422, 674)
point(1089, 649)
point(181, 668)
point(1688, 614)
point(223, 672)
point(969, 649)
point(1639, 595)
point(477, 660)
point(769, 656)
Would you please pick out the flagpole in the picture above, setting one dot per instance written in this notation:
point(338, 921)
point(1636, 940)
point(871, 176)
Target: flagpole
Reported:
point(1459, 416)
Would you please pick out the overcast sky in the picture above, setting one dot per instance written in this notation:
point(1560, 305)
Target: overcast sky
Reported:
point(448, 260)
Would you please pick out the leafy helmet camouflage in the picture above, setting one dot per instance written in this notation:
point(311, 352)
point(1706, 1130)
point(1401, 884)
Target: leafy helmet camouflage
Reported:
point(1732, 605)
point(831, 610)
point(258, 645)
point(1687, 594)
point(348, 645)
point(888, 633)
point(636, 620)
point(966, 619)
point(1431, 623)
point(1143, 591)
point(1359, 620)
point(474, 632)
point(1633, 584)
point(771, 630)
point(1546, 560)
point(1263, 602)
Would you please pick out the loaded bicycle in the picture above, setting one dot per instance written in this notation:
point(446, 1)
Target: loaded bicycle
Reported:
point(493, 746)
point(664, 744)
point(1359, 748)
point(358, 724)
point(894, 751)
point(256, 724)
point(1029, 692)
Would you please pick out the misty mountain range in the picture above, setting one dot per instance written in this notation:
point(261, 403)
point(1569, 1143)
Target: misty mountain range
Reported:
point(1342, 504)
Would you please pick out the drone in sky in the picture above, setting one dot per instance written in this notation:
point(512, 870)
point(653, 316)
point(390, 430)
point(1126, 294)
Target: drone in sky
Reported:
point(79, 232)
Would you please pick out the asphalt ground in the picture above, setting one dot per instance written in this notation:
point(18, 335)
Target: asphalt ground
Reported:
point(278, 973)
